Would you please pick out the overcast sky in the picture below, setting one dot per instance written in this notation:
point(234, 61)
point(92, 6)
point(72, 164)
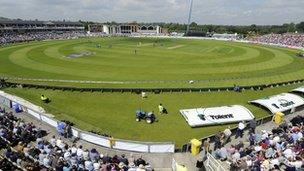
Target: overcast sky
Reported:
point(229, 12)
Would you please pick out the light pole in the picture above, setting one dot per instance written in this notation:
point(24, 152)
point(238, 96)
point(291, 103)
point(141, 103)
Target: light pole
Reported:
point(189, 17)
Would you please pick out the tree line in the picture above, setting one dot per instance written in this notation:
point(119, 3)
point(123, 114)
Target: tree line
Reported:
point(240, 29)
point(245, 30)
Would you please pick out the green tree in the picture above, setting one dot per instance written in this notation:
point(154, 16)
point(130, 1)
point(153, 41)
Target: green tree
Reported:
point(300, 27)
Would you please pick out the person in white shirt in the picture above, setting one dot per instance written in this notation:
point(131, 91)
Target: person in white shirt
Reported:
point(88, 165)
point(227, 134)
point(47, 161)
point(15, 129)
point(58, 142)
point(160, 109)
point(274, 162)
point(264, 135)
point(300, 135)
point(96, 166)
point(48, 149)
point(39, 140)
point(79, 151)
point(257, 148)
point(236, 156)
point(67, 155)
point(288, 153)
point(74, 149)
point(248, 162)
point(41, 156)
point(240, 130)
point(276, 139)
point(296, 163)
point(53, 141)
point(86, 154)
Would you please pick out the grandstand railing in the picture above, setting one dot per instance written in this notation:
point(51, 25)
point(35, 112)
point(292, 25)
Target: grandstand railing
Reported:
point(211, 164)
point(13, 163)
point(115, 144)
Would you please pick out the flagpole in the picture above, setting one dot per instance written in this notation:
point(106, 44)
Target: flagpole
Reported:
point(189, 17)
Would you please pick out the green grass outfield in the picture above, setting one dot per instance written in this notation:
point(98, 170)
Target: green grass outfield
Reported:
point(114, 113)
point(157, 63)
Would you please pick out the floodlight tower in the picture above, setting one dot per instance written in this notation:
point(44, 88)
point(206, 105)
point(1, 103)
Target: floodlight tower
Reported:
point(189, 17)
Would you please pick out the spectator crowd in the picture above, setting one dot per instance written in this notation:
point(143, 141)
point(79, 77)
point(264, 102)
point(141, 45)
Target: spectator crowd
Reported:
point(287, 39)
point(24, 146)
point(15, 133)
point(282, 148)
point(15, 37)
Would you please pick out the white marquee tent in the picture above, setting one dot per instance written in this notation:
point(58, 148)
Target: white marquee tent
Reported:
point(298, 90)
point(216, 115)
point(281, 102)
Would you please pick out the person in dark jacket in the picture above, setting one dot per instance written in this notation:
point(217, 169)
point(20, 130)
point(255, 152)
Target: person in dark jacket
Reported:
point(217, 141)
point(252, 125)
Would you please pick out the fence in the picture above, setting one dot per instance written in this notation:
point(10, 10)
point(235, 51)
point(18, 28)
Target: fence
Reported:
point(5, 83)
point(211, 164)
point(117, 144)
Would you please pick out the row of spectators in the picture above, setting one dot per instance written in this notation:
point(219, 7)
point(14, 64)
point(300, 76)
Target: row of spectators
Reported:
point(279, 149)
point(5, 164)
point(27, 148)
point(287, 39)
point(15, 37)
point(12, 131)
point(57, 154)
